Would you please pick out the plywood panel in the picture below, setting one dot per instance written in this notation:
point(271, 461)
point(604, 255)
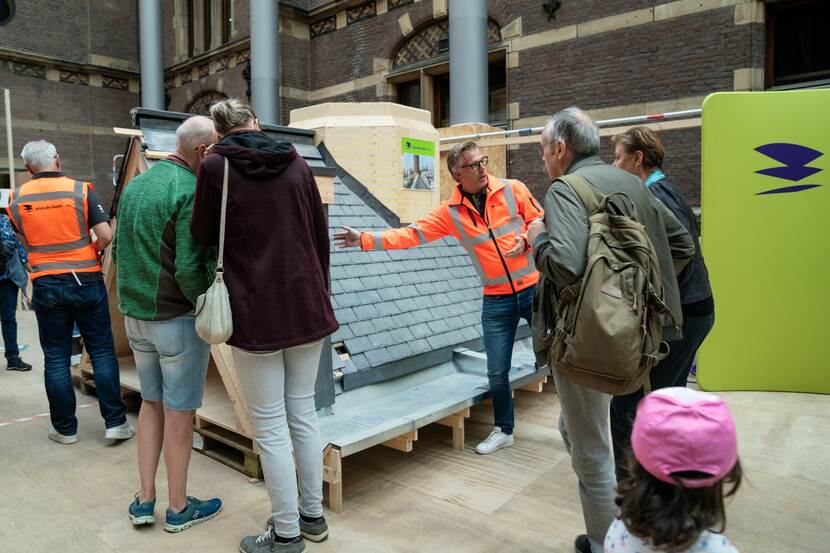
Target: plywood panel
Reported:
point(496, 153)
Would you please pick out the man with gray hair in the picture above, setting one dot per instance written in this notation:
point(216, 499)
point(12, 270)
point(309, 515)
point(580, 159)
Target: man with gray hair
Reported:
point(570, 145)
point(160, 272)
point(65, 228)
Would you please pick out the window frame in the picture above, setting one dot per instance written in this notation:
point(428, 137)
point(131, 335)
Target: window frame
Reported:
point(772, 11)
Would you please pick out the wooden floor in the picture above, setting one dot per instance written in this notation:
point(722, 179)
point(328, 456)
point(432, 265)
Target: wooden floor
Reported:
point(73, 499)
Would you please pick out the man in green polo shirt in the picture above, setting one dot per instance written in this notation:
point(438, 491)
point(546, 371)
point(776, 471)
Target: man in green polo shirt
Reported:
point(160, 273)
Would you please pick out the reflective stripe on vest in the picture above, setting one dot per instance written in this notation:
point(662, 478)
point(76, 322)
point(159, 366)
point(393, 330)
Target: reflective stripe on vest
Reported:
point(514, 225)
point(65, 265)
point(421, 238)
point(77, 195)
point(378, 236)
point(64, 247)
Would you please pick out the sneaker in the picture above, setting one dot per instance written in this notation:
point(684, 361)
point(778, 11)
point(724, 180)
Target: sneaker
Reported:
point(267, 542)
point(120, 432)
point(64, 439)
point(17, 364)
point(197, 511)
point(142, 513)
point(582, 544)
point(315, 530)
point(495, 441)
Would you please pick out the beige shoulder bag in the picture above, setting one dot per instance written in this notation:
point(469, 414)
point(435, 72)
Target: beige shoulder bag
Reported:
point(214, 322)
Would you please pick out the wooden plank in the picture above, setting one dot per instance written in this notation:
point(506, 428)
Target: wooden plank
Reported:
point(216, 405)
point(122, 131)
point(156, 154)
point(535, 386)
point(403, 442)
point(456, 422)
point(223, 357)
point(333, 475)
point(326, 187)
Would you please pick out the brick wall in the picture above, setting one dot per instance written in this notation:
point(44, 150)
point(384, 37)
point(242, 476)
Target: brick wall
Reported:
point(108, 20)
point(534, 18)
point(76, 118)
point(682, 163)
point(348, 53)
point(676, 58)
point(71, 31)
point(54, 29)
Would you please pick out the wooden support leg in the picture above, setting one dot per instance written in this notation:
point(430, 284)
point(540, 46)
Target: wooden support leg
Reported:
point(333, 474)
point(535, 387)
point(456, 422)
point(403, 442)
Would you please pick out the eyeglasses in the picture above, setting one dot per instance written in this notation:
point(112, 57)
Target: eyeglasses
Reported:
point(542, 148)
point(477, 164)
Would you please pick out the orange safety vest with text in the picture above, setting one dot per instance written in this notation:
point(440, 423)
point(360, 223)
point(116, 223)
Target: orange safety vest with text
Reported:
point(51, 213)
point(508, 210)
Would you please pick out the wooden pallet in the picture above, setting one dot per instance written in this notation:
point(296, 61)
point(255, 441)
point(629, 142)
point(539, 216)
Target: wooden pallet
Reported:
point(333, 458)
point(228, 447)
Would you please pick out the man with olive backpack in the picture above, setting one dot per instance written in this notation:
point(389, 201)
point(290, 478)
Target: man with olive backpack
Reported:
point(607, 253)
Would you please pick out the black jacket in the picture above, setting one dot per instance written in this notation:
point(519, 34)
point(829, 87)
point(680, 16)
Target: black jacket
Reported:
point(694, 279)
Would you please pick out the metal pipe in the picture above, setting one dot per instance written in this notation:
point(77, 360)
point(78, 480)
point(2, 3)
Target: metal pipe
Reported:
point(265, 83)
point(468, 61)
point(619, 121)
point(152, 61)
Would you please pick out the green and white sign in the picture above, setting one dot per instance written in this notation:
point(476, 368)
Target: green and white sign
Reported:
point(418, 158)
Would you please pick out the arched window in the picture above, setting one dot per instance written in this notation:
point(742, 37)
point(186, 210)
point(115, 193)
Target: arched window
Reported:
point(434, 40)
point(200, 105)
point(421, 72)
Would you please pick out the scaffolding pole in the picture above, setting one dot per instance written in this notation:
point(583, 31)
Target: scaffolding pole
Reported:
point(619, 121)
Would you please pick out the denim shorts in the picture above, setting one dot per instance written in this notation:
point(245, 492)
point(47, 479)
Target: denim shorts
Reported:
point(171, 361)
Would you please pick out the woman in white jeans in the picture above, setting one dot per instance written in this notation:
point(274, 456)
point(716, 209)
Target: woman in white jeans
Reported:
point(276, 269)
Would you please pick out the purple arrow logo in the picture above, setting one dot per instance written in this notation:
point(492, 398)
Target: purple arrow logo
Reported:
point(795, 159)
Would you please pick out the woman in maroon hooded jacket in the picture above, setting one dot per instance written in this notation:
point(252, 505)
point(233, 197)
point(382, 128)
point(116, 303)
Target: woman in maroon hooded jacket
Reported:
point(276, 269)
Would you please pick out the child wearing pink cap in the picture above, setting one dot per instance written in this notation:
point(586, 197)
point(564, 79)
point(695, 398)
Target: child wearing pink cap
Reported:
point(685, 455)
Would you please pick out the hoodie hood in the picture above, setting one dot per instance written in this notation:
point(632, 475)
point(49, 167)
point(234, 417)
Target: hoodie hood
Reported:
point(255, 154)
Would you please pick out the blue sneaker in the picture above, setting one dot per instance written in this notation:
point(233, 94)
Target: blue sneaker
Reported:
point(142, 513)
point(197, 511)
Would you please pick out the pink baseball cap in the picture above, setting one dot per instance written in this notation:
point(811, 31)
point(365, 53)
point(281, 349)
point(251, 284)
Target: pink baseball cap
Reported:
point(680, 429)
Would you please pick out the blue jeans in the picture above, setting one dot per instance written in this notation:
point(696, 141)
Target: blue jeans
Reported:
point(8, 317)
point(499, 318)
point(58, 305)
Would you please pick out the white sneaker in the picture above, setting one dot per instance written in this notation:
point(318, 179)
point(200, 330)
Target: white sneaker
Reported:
point(120, 432)
point(495, 441)
point(56, 436)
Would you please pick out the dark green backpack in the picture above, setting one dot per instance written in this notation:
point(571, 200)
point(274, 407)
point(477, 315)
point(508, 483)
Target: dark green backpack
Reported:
point(609, 324)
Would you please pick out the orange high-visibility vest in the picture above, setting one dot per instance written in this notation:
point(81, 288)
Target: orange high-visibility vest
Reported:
point(509, 208)
point(52, 214)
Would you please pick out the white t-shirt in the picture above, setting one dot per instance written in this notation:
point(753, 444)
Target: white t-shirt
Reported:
point(620, 540)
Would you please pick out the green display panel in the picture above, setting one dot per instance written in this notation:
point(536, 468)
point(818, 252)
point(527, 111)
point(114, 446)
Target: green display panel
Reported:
point(766, 239)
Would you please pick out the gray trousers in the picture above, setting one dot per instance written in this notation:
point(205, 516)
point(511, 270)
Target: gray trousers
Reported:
point(279, 388)
point(583, 424)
